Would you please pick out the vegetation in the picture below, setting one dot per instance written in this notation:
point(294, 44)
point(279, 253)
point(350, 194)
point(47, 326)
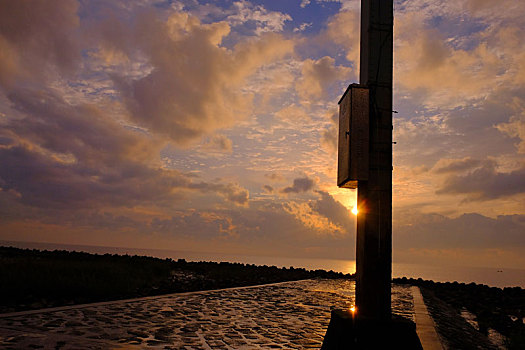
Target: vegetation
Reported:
point(501, 309)
point(32, 279)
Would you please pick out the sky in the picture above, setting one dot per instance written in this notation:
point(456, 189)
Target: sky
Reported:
point(210, 126)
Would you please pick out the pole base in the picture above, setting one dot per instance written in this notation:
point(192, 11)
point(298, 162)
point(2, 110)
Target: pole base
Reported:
point(346, 332)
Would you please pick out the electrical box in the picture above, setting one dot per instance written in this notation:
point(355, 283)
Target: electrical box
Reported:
point(353, 145)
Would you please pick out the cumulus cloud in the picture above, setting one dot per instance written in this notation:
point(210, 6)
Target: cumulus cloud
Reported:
point(308, 217)
point(68, 156)
point(258, 17)
point(64, 155)
point(349, 38)
point(88, 103)
point(515, 127)
point(193, 87)
point(301, 184)
point(485, 182)
point(61, 151)
point(329, 135)
point(36, 38)
point(423, 57)
point(334, 211)
point(318, 75)
point(302, 27)
point(451, 68)
point(325, 215)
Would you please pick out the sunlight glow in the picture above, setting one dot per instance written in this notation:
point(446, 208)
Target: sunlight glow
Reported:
point(354, 210)
point(352, 309)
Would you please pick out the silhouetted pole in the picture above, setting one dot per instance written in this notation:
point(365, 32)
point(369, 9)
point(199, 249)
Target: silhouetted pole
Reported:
point(374, 197)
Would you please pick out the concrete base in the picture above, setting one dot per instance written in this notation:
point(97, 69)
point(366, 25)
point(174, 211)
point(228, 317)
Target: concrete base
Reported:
point(346, 332)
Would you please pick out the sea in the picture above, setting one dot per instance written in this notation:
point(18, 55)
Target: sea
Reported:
point(494, 277)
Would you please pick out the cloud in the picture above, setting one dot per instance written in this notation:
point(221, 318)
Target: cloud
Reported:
point(257, 18)
point(60, 155)
point(470, 230)
point(102, 220)
point(232, 192)
point(485, 182)
point(470, 239)
point(302, 184)
point(36, 38)
point(275, 177)
point(268, 188)
point(292, 112)
point(515, 127)
point(302, 27)
point(423, 57)
point(334, 211)
point(219, 143)
point(311, 219)
point(476, 5)
point(192, 85)
point(318, 75)
point(69, 156)
point(445, 66)
point(297, 227)
point(93, 95)
point(455, 165)
point(471, 132)
point(202, 224)
point(487, 9)
point(348, 38)
point(329, 136)
point(324, 215)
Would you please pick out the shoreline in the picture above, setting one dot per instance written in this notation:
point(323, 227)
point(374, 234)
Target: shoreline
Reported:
point(36, 279)
point(495, 276)
point(476, 311)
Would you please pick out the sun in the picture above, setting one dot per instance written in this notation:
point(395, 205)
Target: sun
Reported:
point(354, 210)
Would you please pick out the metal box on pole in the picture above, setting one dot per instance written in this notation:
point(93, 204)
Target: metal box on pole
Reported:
point(353, 145)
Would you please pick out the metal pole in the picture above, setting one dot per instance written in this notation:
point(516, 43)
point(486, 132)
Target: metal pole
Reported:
point(374, 198)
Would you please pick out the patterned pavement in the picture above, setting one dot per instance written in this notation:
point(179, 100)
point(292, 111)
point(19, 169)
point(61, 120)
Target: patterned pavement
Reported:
point(290, 315)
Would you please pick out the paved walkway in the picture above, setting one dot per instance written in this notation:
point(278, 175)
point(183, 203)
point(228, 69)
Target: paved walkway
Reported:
point(292, 315)
point(425, 327)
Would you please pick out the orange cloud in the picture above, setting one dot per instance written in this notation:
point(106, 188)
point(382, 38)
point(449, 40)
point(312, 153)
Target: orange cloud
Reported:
point(36, 38)
point(190, 84)
point(318, 75)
